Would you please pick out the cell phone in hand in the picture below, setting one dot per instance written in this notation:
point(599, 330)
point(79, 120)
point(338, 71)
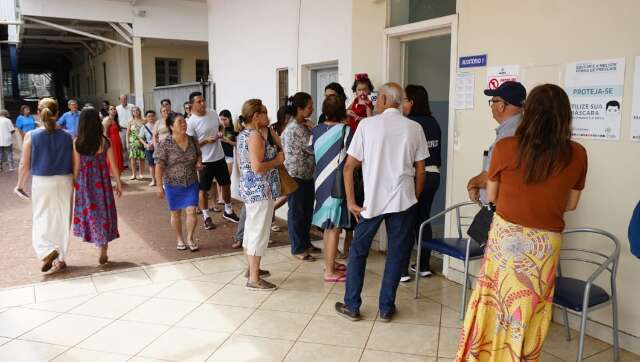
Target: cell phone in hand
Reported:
point(21, 193)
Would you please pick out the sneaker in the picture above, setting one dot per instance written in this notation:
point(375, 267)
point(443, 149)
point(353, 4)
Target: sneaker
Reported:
point(261, 286)
point(423, 274)
point(263, 273)
point(231, 217)
point(208, 224)
point(343, 311)
point(405, 278)
point(21, 193)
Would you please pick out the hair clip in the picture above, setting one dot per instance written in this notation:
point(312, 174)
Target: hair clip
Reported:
point(362, 76)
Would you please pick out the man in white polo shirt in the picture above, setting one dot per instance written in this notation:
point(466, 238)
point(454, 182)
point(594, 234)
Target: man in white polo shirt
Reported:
point(124, 119)
point(391, 150)
point(204, 126)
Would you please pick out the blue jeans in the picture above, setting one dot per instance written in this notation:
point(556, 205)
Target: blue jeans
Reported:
point(400, 227)
point(300, 215)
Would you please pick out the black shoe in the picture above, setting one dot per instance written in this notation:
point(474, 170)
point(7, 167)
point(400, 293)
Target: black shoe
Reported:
point(343, 311)
point(387, 317)
point(315, 250)
point(424, 273)
point(231, 217)
point(208, 224)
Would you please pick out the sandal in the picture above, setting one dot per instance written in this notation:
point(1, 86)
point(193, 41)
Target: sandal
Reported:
point(58, 267)
point(275, 228)
point(307, 257)
point(133, 178)
point(193, 246)
point(340, 278)
point(181, 246)
point(315, 250)
point(215, 209)
point(237, 244)
point(48, 261)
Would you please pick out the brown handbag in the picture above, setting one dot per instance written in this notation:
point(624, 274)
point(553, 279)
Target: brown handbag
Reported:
point(287, 184)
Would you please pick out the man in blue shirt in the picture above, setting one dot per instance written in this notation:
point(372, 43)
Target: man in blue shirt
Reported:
point(69, 120)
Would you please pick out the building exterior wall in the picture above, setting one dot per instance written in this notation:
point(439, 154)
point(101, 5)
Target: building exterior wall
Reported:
point(117, 60)
point(187, 55)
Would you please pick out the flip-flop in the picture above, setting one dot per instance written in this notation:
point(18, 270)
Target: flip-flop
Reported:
point(181, 247)
point(336, 279)
point(340, 267)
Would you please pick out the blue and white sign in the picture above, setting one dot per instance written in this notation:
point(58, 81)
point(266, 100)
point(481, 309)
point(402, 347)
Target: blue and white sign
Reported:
point(473, 61)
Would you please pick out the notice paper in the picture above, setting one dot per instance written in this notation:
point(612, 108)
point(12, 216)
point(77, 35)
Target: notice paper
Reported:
point(502, 73)
point(595, 89)
point(635, 111)
point(465, 85)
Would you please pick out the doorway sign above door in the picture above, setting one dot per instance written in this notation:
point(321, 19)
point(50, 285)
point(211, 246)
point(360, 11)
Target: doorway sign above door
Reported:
point(472, 61)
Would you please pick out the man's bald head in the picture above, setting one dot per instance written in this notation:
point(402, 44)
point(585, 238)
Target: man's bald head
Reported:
point(389, 96)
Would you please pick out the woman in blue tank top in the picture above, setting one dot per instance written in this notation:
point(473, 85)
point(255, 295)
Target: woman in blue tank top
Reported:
point(48, 155)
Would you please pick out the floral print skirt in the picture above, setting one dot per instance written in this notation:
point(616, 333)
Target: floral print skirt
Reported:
point(510, 310)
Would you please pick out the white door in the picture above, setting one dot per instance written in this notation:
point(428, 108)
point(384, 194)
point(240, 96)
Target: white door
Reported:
point(320, 79)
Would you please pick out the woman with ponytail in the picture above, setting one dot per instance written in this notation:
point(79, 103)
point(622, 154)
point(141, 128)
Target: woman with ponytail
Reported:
point(48, 155)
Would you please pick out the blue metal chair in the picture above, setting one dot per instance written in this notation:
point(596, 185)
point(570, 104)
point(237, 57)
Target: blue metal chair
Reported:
point(462, 247)
point(579, 295)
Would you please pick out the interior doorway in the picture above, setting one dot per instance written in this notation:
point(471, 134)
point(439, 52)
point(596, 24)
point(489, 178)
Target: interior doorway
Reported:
point(427, 63)
point(424, 53)
point(319, 79)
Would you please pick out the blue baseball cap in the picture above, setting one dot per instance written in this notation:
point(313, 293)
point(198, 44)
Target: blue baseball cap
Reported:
point(512, 92)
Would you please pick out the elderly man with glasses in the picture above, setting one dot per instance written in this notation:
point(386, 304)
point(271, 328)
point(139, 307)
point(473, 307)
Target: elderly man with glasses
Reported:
point(506, 107)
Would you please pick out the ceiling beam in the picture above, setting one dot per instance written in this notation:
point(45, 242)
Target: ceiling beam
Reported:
point(127, 28)
point(55, 38)
point(121, 32)
point(71, 30)
point(97, 28)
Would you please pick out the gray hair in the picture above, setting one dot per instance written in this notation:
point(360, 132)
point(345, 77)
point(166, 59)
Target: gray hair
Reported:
point(4, 113)
point(393, 91)
point(72, 101)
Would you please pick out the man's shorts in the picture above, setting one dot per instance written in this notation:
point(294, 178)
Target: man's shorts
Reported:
point(216, 169)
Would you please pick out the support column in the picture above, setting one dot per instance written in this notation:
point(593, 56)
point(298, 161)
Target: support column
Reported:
point(13, 67)
point(138, 83)
point(1, 82)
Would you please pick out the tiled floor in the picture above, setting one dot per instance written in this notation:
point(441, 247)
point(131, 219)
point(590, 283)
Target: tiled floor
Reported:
point(199, 311)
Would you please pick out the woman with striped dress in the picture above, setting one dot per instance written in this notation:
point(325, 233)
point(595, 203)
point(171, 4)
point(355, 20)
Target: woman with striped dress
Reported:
point(330, 142)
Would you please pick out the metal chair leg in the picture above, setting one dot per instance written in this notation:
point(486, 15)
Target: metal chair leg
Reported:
point(465, 281)
point(583, 329)
point(418, 263)
point(614, 307)
point(565, 315)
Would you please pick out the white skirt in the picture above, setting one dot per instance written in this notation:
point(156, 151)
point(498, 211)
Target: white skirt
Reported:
point(51, 198)
point(257, 227)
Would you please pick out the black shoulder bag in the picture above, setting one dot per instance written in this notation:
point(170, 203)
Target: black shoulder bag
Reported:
point(479, 228)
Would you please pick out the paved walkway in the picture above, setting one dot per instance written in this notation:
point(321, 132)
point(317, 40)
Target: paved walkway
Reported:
point(143, 222)
point(199, 310)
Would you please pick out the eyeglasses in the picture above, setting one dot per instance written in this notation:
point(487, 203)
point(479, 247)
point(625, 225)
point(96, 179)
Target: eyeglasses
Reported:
point(492, 101)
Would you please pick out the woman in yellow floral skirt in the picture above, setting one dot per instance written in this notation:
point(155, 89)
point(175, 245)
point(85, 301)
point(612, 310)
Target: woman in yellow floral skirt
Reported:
point(534, 178)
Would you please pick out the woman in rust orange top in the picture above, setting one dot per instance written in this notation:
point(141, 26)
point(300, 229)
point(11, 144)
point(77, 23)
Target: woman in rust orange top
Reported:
point(534, 178)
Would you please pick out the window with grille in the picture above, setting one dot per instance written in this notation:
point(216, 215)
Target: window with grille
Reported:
point(202, 70)
point(167, 71)
point(283, 86)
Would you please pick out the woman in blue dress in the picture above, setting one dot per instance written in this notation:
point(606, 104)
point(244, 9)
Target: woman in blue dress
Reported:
point(330, 142)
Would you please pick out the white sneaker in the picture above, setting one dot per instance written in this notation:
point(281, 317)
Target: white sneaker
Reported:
point(423, 274)
point(405, 278)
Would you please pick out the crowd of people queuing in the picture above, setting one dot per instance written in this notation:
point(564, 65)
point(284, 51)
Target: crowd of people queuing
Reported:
point(366, 160)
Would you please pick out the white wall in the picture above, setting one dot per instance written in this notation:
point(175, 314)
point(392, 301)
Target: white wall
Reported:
point(246, 51)
point(168, 19)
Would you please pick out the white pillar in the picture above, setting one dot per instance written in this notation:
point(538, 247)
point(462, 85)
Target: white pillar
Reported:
point(138, 84)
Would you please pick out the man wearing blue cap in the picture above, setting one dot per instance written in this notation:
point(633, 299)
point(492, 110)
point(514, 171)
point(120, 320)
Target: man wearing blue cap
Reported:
point(506, 107)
